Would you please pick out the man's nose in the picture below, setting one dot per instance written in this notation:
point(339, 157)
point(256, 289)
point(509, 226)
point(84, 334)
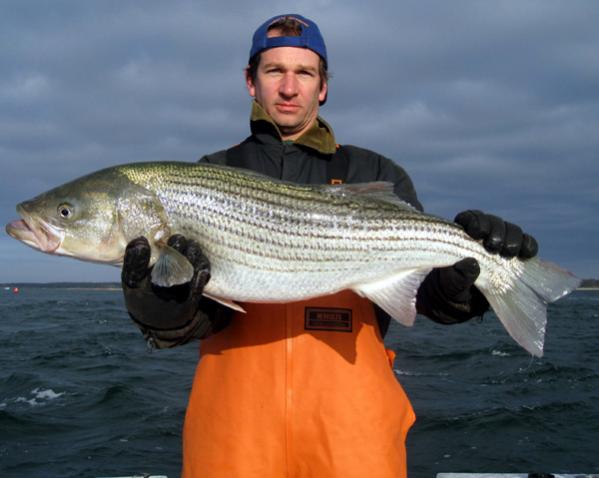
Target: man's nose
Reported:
point(288, 86)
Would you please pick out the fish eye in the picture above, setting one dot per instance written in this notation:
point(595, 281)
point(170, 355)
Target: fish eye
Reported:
point(65, 211)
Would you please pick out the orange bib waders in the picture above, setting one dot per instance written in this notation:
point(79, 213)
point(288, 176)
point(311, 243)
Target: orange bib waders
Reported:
point(299, 390)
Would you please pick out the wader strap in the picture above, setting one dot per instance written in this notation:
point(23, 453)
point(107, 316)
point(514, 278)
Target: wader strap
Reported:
point(337, 167)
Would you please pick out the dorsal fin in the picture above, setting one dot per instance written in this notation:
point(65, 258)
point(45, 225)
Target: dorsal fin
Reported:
point(378, 190)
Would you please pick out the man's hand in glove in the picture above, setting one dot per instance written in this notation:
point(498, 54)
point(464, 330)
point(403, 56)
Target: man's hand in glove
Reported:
point(170, 316)
point(448, 295)
point(498, 236)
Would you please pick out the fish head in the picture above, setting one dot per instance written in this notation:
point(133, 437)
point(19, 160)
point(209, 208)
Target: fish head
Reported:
point(92, 218)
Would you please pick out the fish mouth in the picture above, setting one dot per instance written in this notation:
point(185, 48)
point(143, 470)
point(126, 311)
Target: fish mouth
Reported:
point(35, 232)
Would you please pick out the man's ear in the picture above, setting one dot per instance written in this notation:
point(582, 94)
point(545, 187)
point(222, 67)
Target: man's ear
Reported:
point(249, 83)
point(323, 92)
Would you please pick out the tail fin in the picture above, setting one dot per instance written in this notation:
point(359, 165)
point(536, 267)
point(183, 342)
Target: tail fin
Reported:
point(523, 309)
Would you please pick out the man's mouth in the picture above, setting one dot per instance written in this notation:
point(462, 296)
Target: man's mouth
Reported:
point(287, 107)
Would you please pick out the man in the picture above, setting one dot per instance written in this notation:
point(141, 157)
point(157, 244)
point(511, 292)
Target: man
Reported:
point(302, 389)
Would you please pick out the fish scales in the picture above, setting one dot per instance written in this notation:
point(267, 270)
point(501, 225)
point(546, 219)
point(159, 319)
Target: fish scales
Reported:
point(288, 208)
point(285, 212)
point(326, 235)
point(285, 222)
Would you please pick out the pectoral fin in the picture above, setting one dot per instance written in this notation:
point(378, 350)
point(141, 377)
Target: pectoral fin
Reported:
point(396, 294)
point(171, 268)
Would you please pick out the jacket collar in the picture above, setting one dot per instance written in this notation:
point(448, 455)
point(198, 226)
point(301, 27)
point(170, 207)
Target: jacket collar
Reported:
point(319, 136)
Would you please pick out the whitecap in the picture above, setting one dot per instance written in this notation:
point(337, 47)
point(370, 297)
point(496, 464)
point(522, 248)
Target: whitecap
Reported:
point(406, 372)
point(38, 397)
point(47, 394)
point(32, 401)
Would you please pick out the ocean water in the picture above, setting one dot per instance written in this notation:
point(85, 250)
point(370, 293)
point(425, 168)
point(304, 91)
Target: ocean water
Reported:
point(82, 396)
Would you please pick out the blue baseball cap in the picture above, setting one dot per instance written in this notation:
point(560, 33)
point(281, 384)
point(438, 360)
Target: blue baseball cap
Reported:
point(309, 37)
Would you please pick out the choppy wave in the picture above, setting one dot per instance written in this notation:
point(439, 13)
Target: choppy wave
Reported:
point(81, 396)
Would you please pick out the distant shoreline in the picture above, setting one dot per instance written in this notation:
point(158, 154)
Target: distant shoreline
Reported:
point(88, 288)
point(115, 286)
point(64, 285)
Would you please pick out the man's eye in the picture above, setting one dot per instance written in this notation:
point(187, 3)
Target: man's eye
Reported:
point(306, 73)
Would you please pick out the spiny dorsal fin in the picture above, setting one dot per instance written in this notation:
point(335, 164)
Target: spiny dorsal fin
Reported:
point(377, 191)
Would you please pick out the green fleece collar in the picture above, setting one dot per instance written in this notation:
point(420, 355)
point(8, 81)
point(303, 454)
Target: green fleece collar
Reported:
point(320, 136)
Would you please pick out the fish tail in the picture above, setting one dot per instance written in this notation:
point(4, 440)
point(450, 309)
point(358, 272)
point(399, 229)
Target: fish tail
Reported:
point(522, 309)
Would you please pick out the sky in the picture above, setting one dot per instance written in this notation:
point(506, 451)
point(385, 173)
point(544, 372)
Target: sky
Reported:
point(492, 105)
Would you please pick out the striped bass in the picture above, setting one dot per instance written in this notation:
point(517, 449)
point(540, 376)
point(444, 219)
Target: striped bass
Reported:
point(273, 241)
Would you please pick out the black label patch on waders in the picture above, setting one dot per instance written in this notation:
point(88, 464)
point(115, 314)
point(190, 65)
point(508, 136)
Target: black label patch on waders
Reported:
point(323, 318)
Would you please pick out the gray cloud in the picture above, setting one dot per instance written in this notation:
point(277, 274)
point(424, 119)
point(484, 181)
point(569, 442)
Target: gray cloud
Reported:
point(494, 106)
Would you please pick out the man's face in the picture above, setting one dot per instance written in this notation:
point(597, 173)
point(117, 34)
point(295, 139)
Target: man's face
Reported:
point(288, 87)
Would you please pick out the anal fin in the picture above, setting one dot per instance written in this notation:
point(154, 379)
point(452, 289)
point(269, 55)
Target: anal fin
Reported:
point(396, 294)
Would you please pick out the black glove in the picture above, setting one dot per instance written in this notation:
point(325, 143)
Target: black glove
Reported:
point(447, 295)
point(498, 236)
point(170, 316)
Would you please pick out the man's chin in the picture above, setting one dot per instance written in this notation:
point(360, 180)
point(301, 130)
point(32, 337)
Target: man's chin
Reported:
point(290, 128)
